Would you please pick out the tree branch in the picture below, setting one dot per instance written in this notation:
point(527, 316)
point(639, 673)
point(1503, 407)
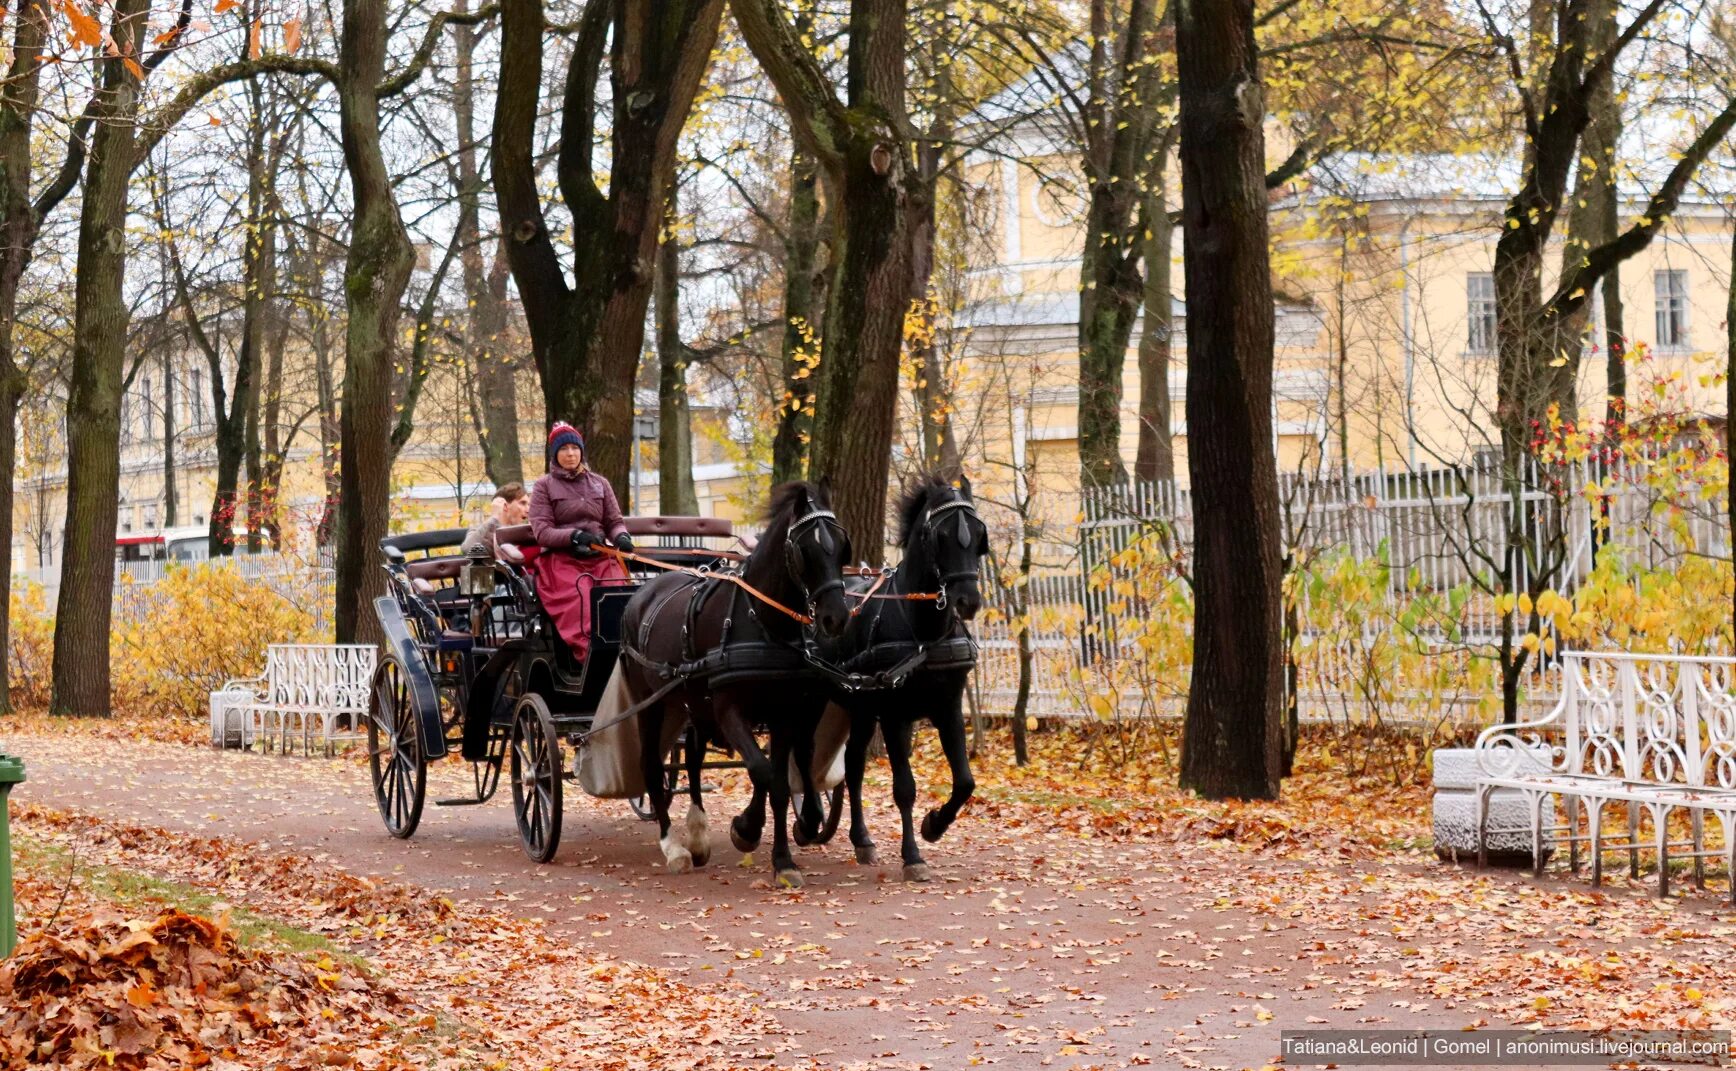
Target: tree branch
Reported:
point(817, 119)
point(406, 425)
point(153, 128)
point(1597, 262)
point(401, 81)
point(573, 169)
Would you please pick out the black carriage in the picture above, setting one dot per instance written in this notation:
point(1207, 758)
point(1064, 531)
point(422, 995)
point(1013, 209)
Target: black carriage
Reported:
point(474, 664)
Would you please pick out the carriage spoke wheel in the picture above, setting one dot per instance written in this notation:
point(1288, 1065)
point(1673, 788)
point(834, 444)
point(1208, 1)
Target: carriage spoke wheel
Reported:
point(395, 751)
point(536, 778)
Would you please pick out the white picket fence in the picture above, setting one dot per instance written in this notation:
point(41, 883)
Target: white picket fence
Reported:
point(1437, 529)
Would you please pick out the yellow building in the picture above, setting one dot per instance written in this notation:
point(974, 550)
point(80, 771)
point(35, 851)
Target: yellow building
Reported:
point(1384, 325)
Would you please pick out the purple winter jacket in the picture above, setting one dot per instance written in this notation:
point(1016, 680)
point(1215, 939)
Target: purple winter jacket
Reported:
point(562, 502)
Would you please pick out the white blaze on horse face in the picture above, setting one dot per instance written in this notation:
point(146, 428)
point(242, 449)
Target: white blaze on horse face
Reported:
point(676, 855)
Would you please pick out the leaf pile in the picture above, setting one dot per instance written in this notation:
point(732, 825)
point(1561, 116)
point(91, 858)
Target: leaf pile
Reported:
point(517, 996)
point(105, 990)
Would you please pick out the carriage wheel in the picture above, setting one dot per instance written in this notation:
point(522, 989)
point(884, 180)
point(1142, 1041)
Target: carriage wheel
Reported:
point(395, 751)
point(536, 778)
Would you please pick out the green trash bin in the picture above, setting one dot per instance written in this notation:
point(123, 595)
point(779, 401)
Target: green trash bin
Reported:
point(11, 773)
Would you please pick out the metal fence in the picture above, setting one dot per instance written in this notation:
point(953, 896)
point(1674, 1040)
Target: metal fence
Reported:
point(1473, 528)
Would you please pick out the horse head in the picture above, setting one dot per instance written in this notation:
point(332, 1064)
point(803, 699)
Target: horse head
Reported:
point(944, 541)
point(815, 551)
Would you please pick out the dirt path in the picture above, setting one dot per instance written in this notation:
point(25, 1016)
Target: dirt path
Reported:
point(1033, 947)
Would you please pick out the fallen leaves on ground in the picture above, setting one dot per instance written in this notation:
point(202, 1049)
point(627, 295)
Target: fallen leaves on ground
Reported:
point(1079, 781)
point(524, 998)
point(106, 989)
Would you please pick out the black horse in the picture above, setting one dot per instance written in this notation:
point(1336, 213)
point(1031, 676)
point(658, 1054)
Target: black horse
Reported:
point(906, 656)
point(717, 651)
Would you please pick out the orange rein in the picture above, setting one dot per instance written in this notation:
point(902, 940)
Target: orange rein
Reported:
point(880, 577)
point(625, 556)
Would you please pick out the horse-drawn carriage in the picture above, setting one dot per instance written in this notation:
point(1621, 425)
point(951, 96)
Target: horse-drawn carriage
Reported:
point(474, 664)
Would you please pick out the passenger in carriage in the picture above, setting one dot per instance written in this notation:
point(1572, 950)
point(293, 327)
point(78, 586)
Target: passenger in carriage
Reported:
point(572, 508)
point(511, 506)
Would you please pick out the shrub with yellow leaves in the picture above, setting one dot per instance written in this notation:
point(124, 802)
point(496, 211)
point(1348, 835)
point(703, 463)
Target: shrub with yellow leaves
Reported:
point(178, 639)
point(30, 654)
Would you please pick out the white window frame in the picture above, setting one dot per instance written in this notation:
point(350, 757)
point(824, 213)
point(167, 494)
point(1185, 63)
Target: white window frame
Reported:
point(1670, 314)
point(1479, 313)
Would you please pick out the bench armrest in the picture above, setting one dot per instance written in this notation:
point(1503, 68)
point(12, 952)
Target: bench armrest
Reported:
point(1504, 750)
point(256, 687)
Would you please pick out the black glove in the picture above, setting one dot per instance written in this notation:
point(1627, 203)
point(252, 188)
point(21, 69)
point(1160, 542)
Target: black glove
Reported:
point(624, 543)
point(582, 541)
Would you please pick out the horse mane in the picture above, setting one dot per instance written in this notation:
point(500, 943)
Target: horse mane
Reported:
point(786, 501)
point(924, 492)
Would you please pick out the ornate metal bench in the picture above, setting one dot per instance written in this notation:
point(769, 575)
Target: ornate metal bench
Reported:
point(305, 687)
point(1654, 734)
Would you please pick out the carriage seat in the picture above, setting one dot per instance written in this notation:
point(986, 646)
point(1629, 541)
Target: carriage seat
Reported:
point(424, 573)
point(689, 527)
point(510, 540)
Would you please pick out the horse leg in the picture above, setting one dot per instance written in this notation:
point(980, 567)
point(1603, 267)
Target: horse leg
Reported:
point(810, 818)
point(783, 861)
point(952, 742)
point(675, 854)
point(746, 828)
point(897, 737)
point(855, 763)
point(698, 831)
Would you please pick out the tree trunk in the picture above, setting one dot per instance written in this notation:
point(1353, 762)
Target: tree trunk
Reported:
point(1125, 98)
point(675, 492)
point(932, 394)
point(493, 361)
point(1230, 746)
point(375, 275)
point(82, 614)
point(1154, 459)
point(802, 329)
point(863, 147)
point(1730, 404)
point(857, 395)
point(274, 446)
point(171, 501)
point(496, 377)
point(587, 334)
point(18, 229)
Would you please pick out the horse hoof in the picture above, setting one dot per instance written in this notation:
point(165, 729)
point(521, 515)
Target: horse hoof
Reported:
point(701, 858)
point(932, 830)
point(916, 872)
point(866, 855)
point(790, 879)
point(681, 864)
point(742, 844)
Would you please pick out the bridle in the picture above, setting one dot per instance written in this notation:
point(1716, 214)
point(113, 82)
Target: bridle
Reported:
point(929, 522)
point(792, 557)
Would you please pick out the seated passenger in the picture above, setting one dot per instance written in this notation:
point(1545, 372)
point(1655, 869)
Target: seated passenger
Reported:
point(511, 506)
point(572, 508)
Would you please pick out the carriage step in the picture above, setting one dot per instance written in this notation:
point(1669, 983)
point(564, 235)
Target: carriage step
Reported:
point(470, 802)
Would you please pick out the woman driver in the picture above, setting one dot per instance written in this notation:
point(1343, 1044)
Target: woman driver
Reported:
point(571, 508)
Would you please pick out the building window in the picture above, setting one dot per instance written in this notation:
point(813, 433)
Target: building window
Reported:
point(1480, 312)
point(1671, 289)
point(196, 398)
point(145, 408)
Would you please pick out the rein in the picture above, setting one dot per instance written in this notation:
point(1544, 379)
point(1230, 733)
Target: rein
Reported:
point(624, 556)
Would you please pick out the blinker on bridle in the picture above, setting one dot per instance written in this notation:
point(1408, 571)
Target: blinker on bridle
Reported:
point(964, 540)
point(814, 517)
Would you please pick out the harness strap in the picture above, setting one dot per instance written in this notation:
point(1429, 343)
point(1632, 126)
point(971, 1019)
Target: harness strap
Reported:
point(627, 556)
point(633, 710)
point(859, 682)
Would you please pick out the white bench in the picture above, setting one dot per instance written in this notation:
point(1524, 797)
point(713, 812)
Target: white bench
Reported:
point(305, 687)
point(1649, 734)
